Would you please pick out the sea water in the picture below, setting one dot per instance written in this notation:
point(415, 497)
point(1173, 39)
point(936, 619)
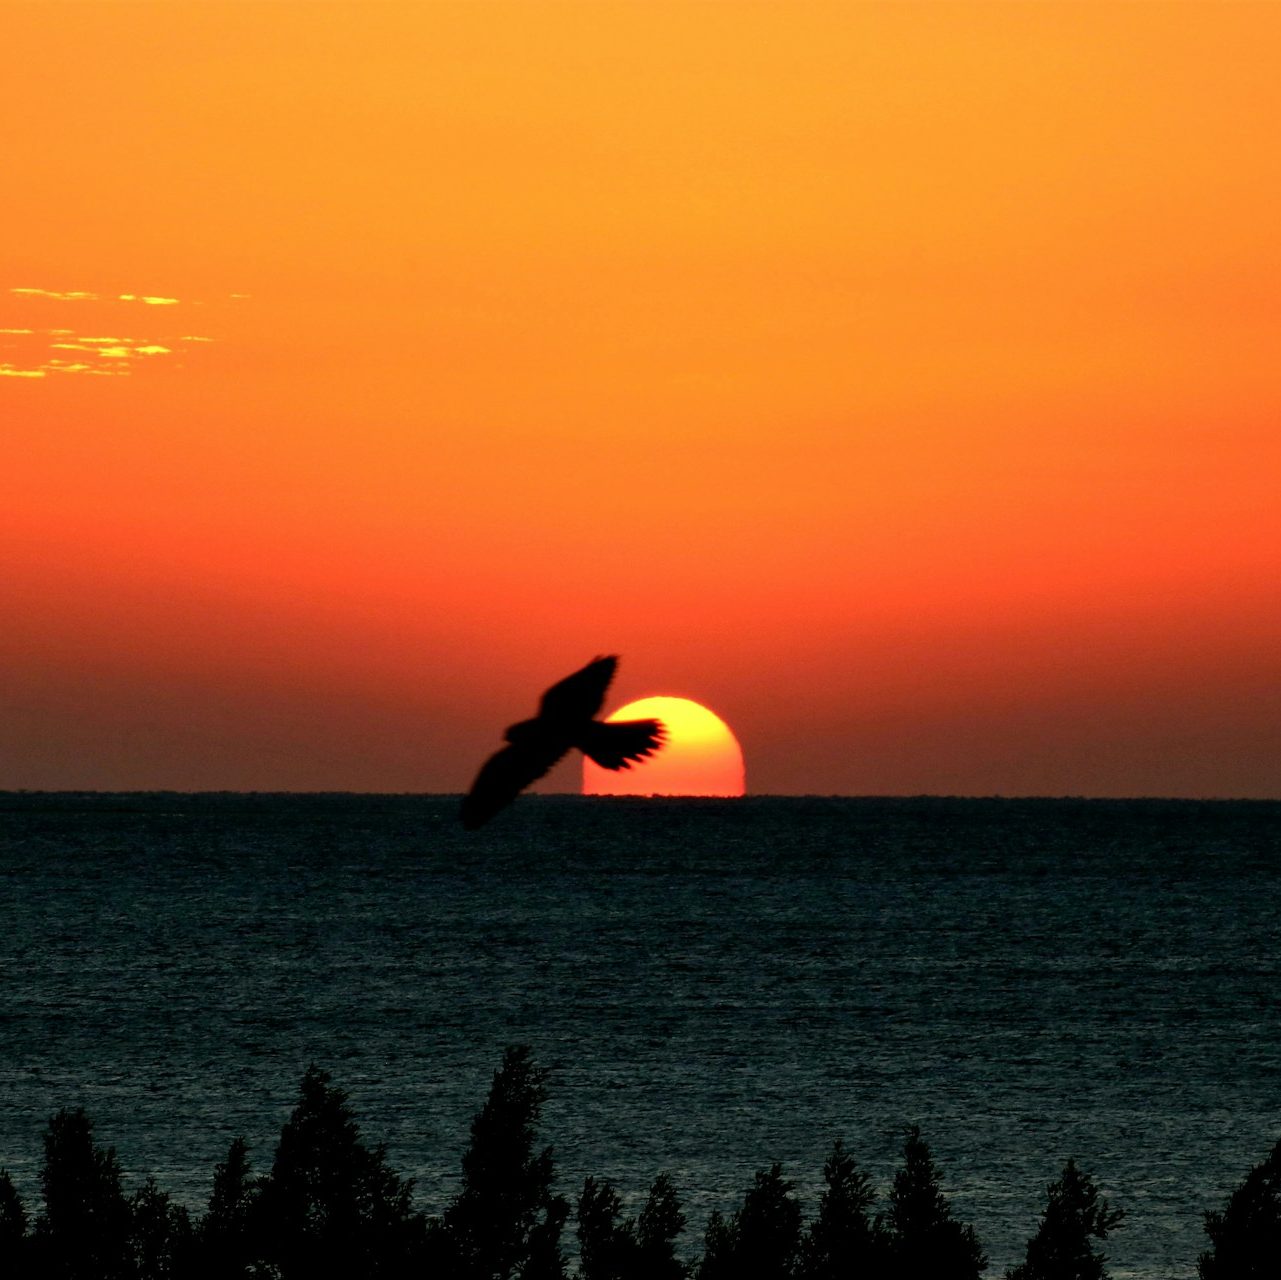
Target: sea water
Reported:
point(712, 985)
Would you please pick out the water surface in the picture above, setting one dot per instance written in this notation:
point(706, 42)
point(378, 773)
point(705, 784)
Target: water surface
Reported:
point(714, 985)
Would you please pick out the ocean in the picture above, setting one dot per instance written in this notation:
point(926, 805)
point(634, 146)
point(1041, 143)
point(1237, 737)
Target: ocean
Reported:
point(712, 985)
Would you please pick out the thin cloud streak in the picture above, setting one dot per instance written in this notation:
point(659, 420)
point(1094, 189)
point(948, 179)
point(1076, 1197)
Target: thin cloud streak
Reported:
point(101, 354)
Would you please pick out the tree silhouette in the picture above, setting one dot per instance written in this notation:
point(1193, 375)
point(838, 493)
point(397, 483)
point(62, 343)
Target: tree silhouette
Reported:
point(330, 1205)
point(611, 1248)
point(226, 1240)
point(842, 1242)
point(13, 1229)
point(505, 1221)
point(924, 1241)
point(160, 1235)
point(1245, 1235)
point(83, 1232)
point(1074, 1217)
point(657, 1228)
point(606, 1243)
point(762, 1240)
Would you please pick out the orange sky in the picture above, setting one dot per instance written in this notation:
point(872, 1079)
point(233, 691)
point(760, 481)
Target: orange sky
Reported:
point(901, 381)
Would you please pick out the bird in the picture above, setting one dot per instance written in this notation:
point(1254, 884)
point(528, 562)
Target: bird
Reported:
point(565, 719)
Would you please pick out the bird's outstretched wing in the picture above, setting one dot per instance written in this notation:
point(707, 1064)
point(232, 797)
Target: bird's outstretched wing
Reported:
point(503, 777)
point(619, 744)
point(580, 696)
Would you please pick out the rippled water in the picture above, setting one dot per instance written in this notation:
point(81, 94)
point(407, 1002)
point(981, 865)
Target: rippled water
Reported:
point(713, 984)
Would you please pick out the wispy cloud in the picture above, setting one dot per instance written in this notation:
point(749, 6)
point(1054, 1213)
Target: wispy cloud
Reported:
point(105, 350)
point(66, 295)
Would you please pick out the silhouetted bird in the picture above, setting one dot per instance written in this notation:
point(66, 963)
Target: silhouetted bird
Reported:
point(564, 720)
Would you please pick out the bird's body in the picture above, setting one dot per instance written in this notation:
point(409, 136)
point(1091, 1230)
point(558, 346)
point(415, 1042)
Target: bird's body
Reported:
point(565, 720)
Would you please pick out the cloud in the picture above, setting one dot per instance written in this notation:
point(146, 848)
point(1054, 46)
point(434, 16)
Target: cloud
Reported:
point(70, 295)
point(100, 352)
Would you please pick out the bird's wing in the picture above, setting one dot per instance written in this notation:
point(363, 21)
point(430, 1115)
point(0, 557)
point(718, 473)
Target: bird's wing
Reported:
point(503, 777)
point(619, 744)
point(579, 697)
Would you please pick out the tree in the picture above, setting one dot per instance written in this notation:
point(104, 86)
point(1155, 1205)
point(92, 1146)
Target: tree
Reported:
point(506, 1221)
point(13, 1229)
point(160, 1235)
point(1074, 1216)
point(613, 1248)
point(1245, 1236)
point(720, 1253)
point(924, 1241)
point(330, 1205)
point(84, 1231)
point(660, 1223)
point(606, 1243)
point(842, 1242)
point(226, 1241)
point(762, 1240)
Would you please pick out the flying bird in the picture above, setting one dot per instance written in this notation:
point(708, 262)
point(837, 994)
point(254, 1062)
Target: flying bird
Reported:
point(565, 719)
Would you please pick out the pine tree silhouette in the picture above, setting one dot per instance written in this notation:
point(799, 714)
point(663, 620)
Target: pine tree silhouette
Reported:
point(225, 1233)
point(1062, 1248)
point(924, 1241)
point(330, 1205)
point(657, 1228)
point(83, 1231)
point(13, 1230)
point(506, 1221)
point(613, 1248)
point(762, 1240)
point(1245, 1235)
point(160, 1235)
point(842, 1242)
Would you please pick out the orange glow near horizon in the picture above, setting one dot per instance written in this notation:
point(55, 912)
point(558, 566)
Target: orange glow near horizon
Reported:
point(700, 755)
point(902, 377)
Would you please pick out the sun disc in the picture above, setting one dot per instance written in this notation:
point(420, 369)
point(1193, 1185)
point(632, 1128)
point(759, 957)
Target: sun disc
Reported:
point(700, 756)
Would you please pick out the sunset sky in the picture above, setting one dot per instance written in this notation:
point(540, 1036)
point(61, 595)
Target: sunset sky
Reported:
point(902, 382)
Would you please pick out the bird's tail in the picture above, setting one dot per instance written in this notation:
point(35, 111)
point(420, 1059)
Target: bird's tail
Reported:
point(618, 745)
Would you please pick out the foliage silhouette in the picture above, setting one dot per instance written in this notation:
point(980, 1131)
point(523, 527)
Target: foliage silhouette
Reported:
point(1062, 1248)
point(611, 1248)
point(762, 1240)
point(923, 1240)
point(13, 1227)
point(84, 1231)
point(160, 1234)
point(330, 1205)
point(505, 1221)
point(606, 1243)
point(1245, 1235)
point(657, 1229)
point(843, 1242)
point(226, 1230)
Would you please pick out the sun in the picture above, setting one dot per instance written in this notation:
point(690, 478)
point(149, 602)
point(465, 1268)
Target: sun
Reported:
point(700, 757)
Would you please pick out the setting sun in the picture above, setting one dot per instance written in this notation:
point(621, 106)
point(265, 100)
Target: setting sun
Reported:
point(700, 757)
